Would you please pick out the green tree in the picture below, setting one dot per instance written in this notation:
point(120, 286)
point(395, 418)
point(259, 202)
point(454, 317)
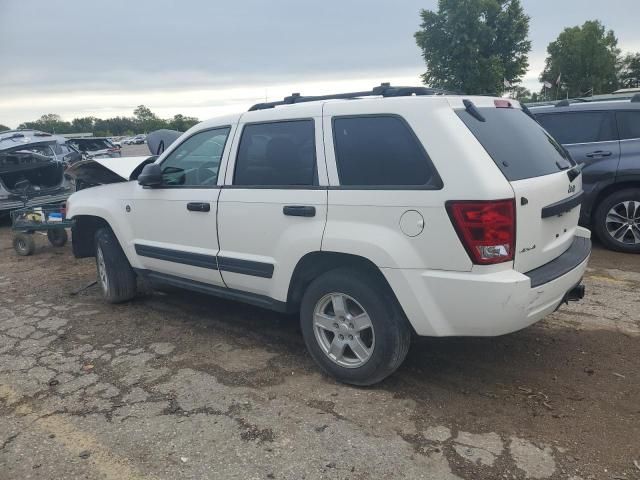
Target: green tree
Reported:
point(521, 94)
point(474, 45)
point(182, 123)
point(3, 128)
point(585, 58)
point(82, 125)
point(629, 75)
point(148, 121)
point(49, 122)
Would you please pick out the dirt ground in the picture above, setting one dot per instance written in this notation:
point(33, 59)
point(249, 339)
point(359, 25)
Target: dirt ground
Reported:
point(178, 385)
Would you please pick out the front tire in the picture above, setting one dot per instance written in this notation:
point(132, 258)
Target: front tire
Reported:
point(617, 221)
point(116, 278)
point(353, 327)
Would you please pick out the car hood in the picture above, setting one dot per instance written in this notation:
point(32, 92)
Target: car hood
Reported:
point(99, 171)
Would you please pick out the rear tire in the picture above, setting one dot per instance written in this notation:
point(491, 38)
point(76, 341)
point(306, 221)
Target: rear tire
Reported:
point(116, 278)
point(57, 237)
point(24, 244)
point(367, 317)
point(617, 221)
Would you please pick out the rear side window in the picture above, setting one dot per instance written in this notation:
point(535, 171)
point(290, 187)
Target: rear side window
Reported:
point(380, 151)
point(277, 154)
point(628, 125)
point(579, 127)
point(518, 145)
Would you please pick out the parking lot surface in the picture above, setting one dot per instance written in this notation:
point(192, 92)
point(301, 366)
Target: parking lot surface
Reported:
point(178, 385)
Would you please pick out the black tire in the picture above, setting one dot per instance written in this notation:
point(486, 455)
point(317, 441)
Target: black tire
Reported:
point(116, 278)
point(600, 221)
point(390, 328)
point(24, 244)
point(57, 237)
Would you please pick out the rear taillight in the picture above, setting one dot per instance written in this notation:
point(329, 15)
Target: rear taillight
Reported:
point(487, 229)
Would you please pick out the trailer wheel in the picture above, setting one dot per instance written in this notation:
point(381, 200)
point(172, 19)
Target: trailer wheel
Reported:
point(57, 237)
point(24, 244)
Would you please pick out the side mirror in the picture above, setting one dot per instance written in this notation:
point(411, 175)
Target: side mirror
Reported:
point(151, 176)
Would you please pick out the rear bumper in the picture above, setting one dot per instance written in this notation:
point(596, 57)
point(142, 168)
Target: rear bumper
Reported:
point(13, 203)
point(441, 303)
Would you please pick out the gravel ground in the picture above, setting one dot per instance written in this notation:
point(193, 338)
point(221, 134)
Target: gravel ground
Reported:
point(178, 385)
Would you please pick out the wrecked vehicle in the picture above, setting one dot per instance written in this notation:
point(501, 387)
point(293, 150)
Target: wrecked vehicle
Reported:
point(101, 171)
point(95, 147)
point(31, 173)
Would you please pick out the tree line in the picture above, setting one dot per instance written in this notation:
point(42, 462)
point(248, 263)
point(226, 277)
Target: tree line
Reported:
point(482, 47)
point(142, 121)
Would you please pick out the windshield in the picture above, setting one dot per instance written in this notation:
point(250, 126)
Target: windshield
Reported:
point(518, 145)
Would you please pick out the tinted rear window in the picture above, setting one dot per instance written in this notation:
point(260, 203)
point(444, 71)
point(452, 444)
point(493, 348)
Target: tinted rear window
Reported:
point(518, 145)
point(579, 127)
point(628, 125)
point(380, 151)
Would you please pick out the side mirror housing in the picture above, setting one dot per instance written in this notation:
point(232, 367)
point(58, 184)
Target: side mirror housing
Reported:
point(151, 176)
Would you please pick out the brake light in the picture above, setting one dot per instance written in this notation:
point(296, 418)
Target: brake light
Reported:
point(487, 229)
point(502, 104)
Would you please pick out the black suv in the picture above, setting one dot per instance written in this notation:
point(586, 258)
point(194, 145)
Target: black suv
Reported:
point(605, 138)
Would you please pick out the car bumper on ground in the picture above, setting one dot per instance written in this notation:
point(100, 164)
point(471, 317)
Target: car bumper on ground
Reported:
point(13, 203)
point(488, 304)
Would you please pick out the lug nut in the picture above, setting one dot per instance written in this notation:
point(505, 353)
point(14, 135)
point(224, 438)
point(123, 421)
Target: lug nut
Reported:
point(335, 325)
point(350, 337)
point(341, 337)
point(351, 325)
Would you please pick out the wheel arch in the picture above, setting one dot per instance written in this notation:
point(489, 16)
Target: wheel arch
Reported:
point(314, 264)
point(83, 233)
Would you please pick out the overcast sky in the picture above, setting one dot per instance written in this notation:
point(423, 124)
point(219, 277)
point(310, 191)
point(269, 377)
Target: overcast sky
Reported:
point(208, 57)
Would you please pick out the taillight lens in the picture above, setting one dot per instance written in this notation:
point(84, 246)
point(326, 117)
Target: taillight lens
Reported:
point(487, 229)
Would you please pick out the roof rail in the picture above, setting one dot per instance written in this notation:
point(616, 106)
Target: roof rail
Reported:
point(567, 102)
point(384, 90)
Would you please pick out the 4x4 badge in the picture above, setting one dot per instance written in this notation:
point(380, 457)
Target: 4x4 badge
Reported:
point(572, 188)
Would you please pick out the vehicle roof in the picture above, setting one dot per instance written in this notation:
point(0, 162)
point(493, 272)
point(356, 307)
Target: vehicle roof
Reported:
point(588, 106)
point(314, 108)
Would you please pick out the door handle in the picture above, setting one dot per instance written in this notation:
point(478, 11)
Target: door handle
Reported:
point(198, 207)
point(299, 210)
point(598, 153)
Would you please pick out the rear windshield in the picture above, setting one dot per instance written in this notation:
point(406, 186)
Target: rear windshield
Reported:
point(91, 144)
point(519, 146)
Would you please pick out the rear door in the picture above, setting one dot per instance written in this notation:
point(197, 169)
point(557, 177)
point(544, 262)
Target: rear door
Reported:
point(629, 128)
point(546, 198)
point(591, 138)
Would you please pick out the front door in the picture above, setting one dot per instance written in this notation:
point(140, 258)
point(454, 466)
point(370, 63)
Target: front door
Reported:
point(174, 225)
point(272, 208)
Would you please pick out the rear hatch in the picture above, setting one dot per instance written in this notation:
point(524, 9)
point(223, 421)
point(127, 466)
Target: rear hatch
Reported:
point(544, 179)
point(34, 163)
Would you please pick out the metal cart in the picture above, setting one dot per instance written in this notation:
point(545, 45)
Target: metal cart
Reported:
point(49, 220)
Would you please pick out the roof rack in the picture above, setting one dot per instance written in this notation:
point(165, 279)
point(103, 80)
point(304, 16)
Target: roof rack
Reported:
point(384, 90)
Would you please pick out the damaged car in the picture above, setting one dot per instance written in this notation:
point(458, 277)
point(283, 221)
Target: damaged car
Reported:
point(95, 147)
point(31, 173)
point(92, 172)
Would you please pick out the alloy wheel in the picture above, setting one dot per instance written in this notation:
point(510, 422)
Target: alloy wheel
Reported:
point(623, 222)
point(102, 271)
point(343, 330)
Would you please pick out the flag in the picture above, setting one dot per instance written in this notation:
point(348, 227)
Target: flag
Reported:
point(506, 83)
point(559, 78)
point(547, 85)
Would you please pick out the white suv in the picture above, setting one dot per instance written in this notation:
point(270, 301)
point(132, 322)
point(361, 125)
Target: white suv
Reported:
point(372, 214)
